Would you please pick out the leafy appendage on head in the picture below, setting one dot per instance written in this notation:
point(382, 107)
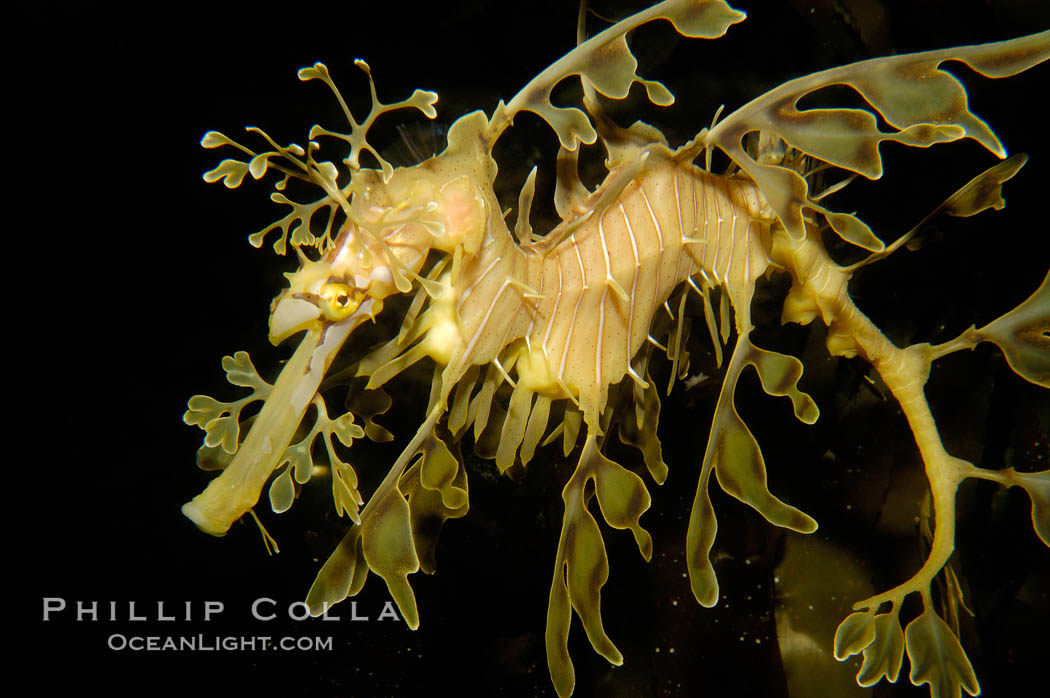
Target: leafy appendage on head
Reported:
point(292, 161)
point(357, 138)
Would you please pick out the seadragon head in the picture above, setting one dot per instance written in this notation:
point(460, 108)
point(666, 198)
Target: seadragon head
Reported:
point(316, 298)
point(379, 227)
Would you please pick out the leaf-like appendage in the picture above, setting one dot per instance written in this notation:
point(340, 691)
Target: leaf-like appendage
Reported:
point(439, 470)
point(559, 617)
point(513, 430)
point(582, 565)
point(240, 371)
point(221, 420)
point(538, 418)
point(579, 574)
point(741, 472)
point(700, 537)
point(735, 458)
point(396, 534)
point(230, 171)
point(299, 459)
point(1023, 334)
point(854, 634)
point(368, 404)
point(342, 575)
point(344, 489)
point(390, 552)
point(258, 164)
point(605, 62)
point(344, 480)
point(345, 429)
point(984, 191)
point(732, 451)
point(214, 139)
point(432, 487)
point(642, 434)
point(780, 375)
point(853, 230)
point(295, 161)
point(215, 418)
point(299, 463)
point(981, 193)
point(297, 224)
point(884, 656)
point(211, 458)
point(937, 658)
point(428, 516)
point(357, 138)
point(622, 498)
point(586, 571)
point(282, 491)
point(1037, 485)
point(913, 94)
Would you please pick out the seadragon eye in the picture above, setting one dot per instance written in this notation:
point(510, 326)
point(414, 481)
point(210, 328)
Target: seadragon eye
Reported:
point(339, 300)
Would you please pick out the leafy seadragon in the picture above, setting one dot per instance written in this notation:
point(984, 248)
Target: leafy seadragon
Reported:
point(535, 337)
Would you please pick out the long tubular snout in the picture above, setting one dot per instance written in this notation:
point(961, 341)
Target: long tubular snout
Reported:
point(229, 496)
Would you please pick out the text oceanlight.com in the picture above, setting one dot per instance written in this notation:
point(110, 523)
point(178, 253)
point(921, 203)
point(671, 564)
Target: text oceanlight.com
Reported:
point(216, 643)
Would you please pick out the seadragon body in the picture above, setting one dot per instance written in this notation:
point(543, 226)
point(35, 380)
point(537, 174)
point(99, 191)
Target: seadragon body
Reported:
point(535, 337)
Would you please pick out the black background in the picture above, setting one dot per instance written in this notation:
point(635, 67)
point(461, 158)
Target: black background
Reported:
point(132, 277)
